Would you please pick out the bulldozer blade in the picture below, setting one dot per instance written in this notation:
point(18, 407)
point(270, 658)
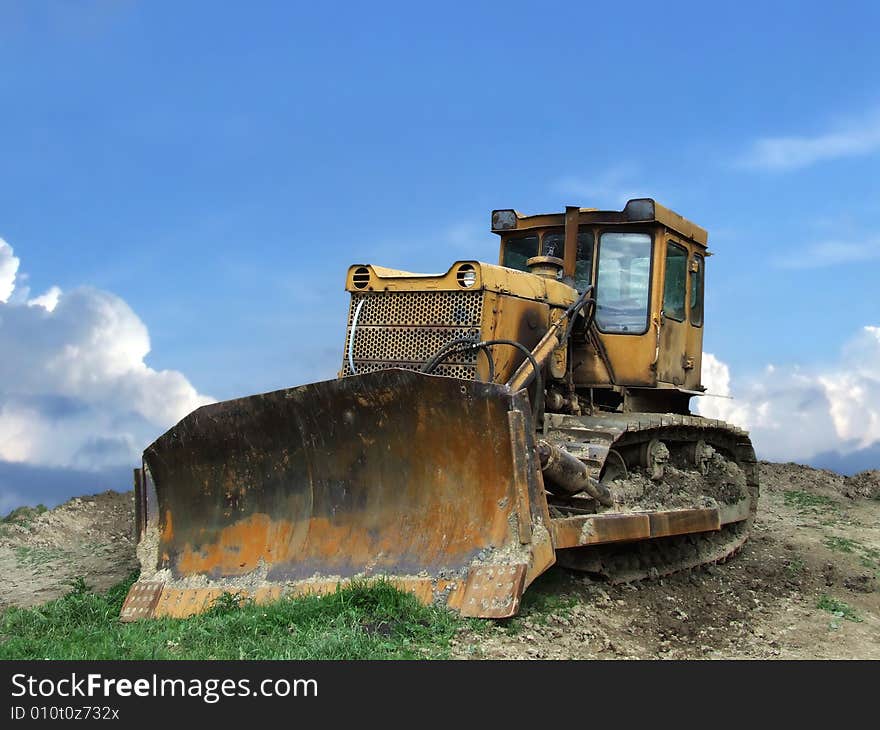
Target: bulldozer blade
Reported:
point(430, 482)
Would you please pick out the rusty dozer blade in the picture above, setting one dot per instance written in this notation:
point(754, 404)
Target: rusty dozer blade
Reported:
point(428, 481)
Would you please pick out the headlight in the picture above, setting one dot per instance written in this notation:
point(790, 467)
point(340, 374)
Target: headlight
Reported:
point(639, 209)
point(503, 220)
point(361, 277)
point(466, 276)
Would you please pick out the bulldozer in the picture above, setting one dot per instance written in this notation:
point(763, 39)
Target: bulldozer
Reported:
point(486, 423)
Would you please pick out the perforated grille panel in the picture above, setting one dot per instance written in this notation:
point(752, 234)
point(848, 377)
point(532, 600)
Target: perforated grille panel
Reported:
point(423, 308)
point(404, 329)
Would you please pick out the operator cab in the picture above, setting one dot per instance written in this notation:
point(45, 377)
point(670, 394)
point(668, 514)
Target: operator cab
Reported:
point(646, 264)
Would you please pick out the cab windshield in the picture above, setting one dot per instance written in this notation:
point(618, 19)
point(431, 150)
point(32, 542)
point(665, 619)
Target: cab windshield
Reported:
point(517, 251)
point(623, 283)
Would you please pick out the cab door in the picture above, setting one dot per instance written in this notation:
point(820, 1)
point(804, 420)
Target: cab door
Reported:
point(673, 361)
point(696, 288)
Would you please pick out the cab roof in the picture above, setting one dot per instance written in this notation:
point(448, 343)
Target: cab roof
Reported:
point(637, 210)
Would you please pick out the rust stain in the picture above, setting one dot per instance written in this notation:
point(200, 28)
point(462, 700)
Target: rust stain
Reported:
point(448, 533)
point(622, 527)
point(168, 527)
point(239, 547)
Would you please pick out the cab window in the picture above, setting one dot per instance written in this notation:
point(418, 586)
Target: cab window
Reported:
point(519, 250)
point(623, 283)
point(554, 245)
point(583, 267)
point(676, 281)
point(697, 291)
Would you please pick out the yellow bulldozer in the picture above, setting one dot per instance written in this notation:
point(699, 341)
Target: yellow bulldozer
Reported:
point(486, 423)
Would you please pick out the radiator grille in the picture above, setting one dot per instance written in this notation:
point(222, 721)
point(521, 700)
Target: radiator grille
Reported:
point(404, 329)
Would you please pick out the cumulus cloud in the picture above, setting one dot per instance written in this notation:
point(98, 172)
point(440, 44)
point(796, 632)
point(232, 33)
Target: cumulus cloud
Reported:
point(47, 301)
point(75, 390)
point(8, 270)
point(796, 413)
point(857, 138)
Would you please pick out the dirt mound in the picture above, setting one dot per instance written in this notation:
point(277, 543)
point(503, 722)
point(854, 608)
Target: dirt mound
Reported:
point(864, 484)
point(42, 552)
point(805, 586)
point(779, 477)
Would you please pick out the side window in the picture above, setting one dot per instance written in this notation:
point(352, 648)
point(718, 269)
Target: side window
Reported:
point(554, 245)
point(676, 281)
point(697, 276)
point(519, 250)
point(583, 268)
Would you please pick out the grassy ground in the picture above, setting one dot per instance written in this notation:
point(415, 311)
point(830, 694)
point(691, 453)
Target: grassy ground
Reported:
point(374, 621)
point(22, 516)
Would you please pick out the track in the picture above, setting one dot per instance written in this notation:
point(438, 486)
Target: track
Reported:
point(624, 455)
point(665, 556)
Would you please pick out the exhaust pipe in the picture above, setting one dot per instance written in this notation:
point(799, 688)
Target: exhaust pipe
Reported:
point(567, 472)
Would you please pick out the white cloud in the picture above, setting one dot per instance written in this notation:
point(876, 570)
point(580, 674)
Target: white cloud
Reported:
point(857, 138)
point(47, 301)
point(8, 269)
point(796, 413)
point(830, 253)
point(75, 390)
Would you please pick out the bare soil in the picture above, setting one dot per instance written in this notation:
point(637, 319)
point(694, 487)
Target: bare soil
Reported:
point(804, 587)
point(807, 585)
point(42, 555)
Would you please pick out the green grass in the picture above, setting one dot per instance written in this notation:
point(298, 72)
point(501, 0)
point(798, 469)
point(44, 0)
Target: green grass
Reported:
point(795, 567)
point(841, 544)
point(869, 557)
point(804, 501)
point(548, 595)
point(361, 621)
point(837, 608)
point(38, 555)
point(23, 515)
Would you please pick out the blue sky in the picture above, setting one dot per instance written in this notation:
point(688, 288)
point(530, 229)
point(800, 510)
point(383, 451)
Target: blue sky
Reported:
point(218, 168)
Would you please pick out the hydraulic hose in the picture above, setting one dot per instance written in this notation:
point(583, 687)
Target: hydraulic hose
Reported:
point(463, 346)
